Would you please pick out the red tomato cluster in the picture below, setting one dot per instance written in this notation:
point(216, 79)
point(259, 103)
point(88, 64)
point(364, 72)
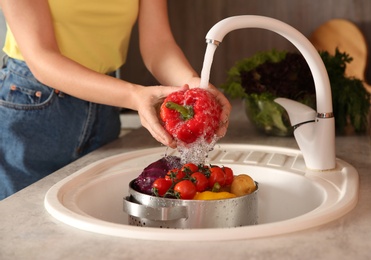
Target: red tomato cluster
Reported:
point(184, 183)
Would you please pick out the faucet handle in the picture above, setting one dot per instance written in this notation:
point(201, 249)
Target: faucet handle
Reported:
point(298, 112)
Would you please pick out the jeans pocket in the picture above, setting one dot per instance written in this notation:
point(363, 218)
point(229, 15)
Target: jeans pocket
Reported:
point(20, 92)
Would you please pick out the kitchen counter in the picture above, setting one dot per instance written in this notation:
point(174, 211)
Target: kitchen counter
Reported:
point(29, 232)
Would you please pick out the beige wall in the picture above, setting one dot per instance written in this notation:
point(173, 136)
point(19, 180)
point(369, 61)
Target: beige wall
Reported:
point(191, 20)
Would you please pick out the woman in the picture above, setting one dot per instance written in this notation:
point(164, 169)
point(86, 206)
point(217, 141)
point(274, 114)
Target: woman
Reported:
point(57, 101)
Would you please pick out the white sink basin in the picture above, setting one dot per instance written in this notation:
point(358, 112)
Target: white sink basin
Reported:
point(290, 198)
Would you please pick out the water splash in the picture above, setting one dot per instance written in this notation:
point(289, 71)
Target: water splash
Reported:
point(196, 152)
point(208, 60)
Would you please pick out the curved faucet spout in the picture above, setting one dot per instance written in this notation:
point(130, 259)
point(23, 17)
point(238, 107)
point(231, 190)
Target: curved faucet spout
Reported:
point(321, 80)
point(315, 140)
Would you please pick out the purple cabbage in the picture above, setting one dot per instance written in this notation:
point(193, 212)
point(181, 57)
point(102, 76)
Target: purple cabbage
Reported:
point(158, 169)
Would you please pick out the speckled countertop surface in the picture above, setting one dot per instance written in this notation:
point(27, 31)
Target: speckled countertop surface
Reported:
point(27, 231)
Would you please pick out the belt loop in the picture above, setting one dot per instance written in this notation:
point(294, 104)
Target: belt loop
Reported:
point(5, 60)
point(59, 93)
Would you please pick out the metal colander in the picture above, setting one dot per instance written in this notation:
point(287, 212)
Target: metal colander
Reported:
point(150, 211)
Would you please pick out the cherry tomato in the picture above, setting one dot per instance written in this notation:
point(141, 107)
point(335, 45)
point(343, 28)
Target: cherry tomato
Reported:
point(201, 181)
point(160, 186)
point(175, 175)
point(205, 170)
point(186, 189)
point(190, 168)
point(228, 173)
point(216, 176)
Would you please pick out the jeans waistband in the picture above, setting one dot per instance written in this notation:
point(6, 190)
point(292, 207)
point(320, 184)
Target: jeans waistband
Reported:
point(20, 67)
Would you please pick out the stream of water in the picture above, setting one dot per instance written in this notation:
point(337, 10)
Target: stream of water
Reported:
point(208, 60)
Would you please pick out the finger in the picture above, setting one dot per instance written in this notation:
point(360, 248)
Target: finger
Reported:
point(163, 136)
point(158, 131)
point(185, 87)
point(223, 126)
point(224, 122)
point(226, 110)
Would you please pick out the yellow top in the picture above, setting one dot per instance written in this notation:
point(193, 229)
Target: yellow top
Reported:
point(94, 33)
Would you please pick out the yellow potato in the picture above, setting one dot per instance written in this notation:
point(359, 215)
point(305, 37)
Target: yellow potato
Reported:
point(242, 184)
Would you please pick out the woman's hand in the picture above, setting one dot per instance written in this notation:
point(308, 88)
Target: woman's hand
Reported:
point(226, 110)
point(148, 102)
point(149, 99)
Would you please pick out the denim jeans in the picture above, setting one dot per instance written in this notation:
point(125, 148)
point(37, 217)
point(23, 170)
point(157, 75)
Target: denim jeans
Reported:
point(42, 130)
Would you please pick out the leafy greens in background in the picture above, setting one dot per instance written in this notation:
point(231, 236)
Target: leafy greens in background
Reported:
point(271, 74)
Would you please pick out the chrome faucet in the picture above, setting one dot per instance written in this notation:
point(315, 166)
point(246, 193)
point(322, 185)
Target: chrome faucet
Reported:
point(314, 131)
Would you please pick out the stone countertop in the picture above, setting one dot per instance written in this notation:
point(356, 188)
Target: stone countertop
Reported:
point(29, 232)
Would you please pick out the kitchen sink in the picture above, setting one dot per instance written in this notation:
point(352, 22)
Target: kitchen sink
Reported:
point(291, 197)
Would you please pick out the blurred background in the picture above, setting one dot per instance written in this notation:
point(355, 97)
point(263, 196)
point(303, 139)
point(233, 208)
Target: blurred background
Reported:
point(191, 20)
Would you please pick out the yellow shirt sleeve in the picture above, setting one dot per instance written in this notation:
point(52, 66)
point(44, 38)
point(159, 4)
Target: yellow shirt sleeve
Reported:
point(93, 33)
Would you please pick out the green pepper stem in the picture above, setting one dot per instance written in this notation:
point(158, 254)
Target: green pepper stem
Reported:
point(186, 112)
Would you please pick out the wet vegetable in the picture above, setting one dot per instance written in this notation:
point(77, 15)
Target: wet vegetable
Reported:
point(160, 186)
point(190, 115)
point(200, 180)
point(242, 185)
point(155, 170)
point(168, 178)
point(209, 195)
point(185, 190)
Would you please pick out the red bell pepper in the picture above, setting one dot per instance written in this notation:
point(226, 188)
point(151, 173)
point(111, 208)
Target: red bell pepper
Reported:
point(191, 115)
